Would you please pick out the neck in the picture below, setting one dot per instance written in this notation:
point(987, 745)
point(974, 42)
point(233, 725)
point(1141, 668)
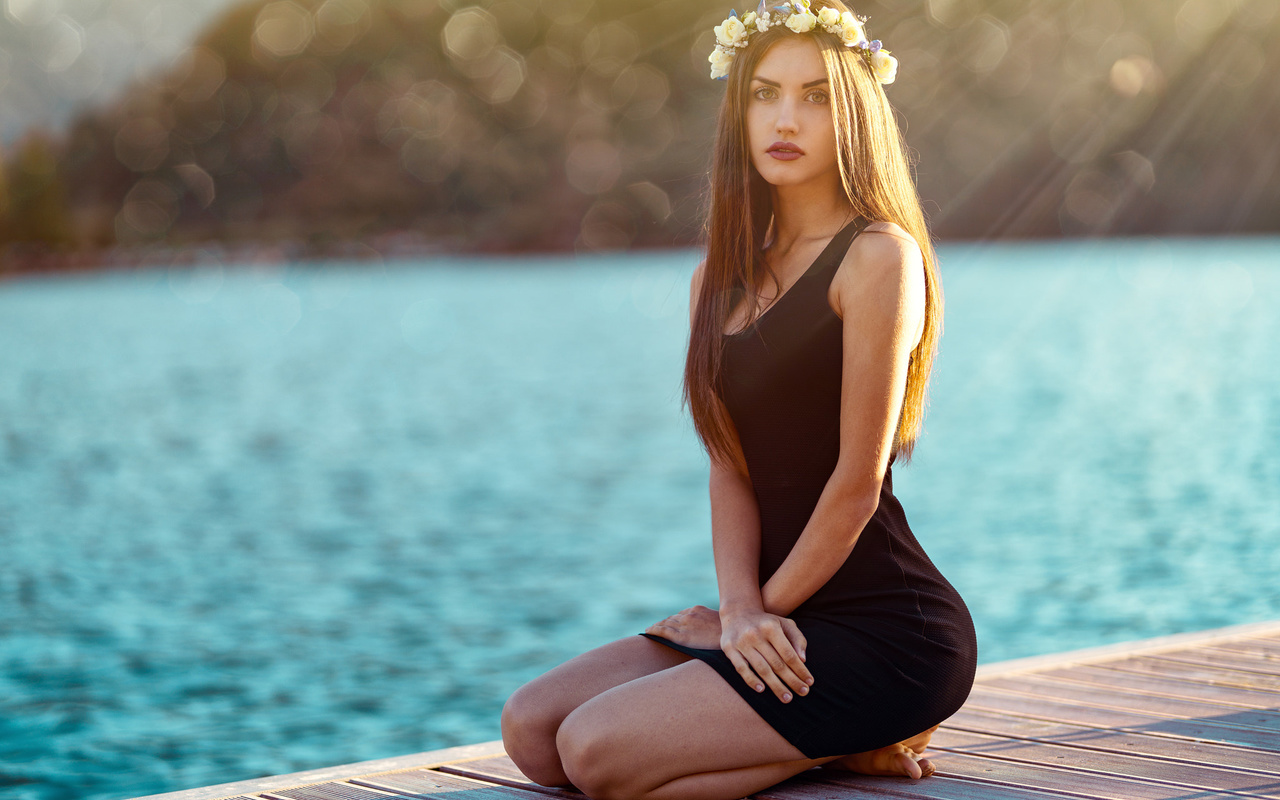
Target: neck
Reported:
point(811, 210)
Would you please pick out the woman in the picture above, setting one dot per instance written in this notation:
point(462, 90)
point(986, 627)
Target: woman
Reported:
point(814, 321)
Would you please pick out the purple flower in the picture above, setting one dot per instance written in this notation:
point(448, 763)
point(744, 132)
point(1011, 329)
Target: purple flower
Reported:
point(875, 45)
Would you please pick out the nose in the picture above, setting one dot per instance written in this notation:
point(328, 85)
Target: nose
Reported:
point(786, 123)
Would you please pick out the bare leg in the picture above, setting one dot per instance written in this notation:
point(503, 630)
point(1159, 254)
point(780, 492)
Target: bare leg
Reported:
point(678, 734)
point(534, 712)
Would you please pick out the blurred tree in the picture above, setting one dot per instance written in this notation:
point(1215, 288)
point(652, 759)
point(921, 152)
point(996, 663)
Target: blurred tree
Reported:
point(4, 194)
point(37, 207)
point(581, 124)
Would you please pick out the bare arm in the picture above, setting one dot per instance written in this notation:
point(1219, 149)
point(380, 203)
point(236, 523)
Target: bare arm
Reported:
point(881, 296)
point(735, 541)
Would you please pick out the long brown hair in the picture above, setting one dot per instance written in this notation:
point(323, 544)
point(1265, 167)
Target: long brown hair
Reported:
point(874, 171)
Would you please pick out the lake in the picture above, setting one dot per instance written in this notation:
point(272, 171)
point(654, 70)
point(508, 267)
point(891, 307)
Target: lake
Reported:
point(266, 519)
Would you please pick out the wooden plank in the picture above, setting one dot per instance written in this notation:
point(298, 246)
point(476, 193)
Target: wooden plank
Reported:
point(1107, 697)
point(1260, 648)
point(824, 784)
point(1101, 675)
point(1131, 721)
point(1053, 779)
point(800, 786)
point(980, 776)
point(437, 783)
point(499, 769)
point(1262, 762)
point(1196, 777)
point(257, 785)
point(1269, 630)
point(336, 790)
point(1214, 676)
point(1225, 660)
point(503, 771)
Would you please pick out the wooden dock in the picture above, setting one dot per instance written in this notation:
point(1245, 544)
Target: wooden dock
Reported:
point(1187, 716)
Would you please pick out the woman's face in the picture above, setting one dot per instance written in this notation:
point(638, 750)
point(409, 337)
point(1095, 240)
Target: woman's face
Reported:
point(789, 127)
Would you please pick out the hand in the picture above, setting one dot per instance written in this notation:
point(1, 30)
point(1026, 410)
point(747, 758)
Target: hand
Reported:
point(694, 627)
point(767, 649)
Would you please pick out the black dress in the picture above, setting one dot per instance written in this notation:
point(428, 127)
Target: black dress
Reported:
point(890, 643)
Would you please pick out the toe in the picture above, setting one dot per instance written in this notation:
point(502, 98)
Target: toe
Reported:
point(906, 765)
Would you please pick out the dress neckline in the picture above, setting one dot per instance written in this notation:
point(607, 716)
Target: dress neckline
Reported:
point(808, 271)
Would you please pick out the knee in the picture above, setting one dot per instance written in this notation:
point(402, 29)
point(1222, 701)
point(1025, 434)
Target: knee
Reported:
point(529, 737)
point(595, 761)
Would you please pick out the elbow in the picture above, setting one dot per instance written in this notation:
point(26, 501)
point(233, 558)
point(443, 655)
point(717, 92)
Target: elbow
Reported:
point(860, 501)
point(863, 506)
point(859, 510)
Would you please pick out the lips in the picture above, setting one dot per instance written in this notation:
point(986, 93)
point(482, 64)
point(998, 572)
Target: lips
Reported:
point(785, 147)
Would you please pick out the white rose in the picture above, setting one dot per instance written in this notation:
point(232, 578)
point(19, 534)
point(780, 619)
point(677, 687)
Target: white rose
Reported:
point(828, 17)
point(801, 21)
point(720, 60)
point(884, 66)
point(731, 32)
point(852, 31)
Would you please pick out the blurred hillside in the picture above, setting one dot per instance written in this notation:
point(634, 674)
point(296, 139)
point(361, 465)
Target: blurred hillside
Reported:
point(56, 55)
point(548, 124)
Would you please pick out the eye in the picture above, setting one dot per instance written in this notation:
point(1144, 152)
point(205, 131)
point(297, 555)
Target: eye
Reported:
point(758, 93)
point(819, 95)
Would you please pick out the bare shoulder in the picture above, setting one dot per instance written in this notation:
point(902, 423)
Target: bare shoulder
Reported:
point(883, 268)
point(885, 245)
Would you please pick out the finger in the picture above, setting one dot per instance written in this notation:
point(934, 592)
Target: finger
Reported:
point(791, 669)
point(785, 673)
point(764, 669)
point(744, 669)
point(792, 653)
point(797, 639)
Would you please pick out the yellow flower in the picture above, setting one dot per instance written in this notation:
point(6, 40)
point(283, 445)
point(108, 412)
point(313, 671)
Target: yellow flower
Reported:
point(801, 21)
point(731, 32)
point(748, 19)
point(720, 60)
point(884, 66)
point(851, 31)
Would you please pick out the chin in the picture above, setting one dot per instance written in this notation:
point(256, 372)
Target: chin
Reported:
point(782, 176)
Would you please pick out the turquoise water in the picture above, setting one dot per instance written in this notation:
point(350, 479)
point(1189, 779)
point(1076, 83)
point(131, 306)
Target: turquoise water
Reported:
point(264, 520)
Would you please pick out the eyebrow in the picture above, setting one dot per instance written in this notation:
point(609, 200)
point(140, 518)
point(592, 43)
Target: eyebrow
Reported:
point(775, 83)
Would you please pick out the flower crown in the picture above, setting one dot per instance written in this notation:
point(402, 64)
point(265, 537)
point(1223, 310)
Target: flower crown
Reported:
point(732, 35)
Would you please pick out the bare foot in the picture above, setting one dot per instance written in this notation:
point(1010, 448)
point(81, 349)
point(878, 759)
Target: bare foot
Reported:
point(903, 758)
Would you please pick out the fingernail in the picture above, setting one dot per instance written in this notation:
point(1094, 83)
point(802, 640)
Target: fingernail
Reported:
point(786, 697)
point(804, 690)
point(759, 687)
